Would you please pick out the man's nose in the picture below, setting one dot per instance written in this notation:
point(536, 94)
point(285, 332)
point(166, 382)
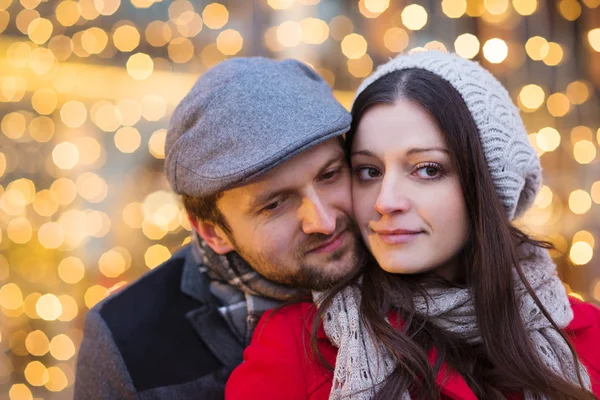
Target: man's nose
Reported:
point(316, 216)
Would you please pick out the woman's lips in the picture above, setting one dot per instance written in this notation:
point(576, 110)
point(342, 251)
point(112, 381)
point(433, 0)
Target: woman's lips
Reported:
point(399, 236)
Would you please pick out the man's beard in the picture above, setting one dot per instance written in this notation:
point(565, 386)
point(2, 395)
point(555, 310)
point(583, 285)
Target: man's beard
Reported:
point(309, 275)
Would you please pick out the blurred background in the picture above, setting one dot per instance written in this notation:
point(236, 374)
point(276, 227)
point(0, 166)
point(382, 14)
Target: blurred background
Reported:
point(87, 88)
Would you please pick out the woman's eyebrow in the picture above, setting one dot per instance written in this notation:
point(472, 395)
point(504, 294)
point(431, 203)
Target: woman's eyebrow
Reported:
point(362, 152)
point(425, 150)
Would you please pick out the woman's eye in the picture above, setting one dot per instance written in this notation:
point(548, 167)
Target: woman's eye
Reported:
point(429, 171)
point(367, 173)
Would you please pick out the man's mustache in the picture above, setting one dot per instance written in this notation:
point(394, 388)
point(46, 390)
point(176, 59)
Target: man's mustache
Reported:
point(315, 240)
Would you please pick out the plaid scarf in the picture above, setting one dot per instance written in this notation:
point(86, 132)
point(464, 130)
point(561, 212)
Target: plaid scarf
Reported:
point(244, 294)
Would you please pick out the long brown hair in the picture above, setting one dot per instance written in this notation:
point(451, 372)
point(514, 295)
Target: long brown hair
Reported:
point(506, 361)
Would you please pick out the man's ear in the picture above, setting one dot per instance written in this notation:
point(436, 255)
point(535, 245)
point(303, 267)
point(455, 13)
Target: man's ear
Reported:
point(212, 235)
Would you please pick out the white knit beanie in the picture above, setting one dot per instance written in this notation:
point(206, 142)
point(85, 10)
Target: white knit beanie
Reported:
point(512, 161)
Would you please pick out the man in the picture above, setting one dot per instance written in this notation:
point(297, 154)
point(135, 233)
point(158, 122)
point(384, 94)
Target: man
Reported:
point(254, 149)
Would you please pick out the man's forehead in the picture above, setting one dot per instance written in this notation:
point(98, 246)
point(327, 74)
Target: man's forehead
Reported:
point(301, 169)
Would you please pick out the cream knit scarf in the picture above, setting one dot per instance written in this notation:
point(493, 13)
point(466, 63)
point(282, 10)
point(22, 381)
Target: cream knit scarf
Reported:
point(362, 364)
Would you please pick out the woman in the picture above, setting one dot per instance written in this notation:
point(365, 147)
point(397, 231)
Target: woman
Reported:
point(457, 303)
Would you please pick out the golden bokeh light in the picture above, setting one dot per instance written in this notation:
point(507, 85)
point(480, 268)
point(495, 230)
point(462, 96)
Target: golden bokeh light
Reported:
point(94, 295)
point(156, 255)
point(57, 380)
point(70, 309)
point(94, 40)
point(62, 347)
point(24, 18)
point(584, 152)
point(396, 39)
point(89, 150)
point(467, 45)
point(495, 50)
point(340, 26)
point(42, 61)
point(48, 307)
point(19, 391)
point(19, 230)
point(578, 92)
point(581, 132)
point(354, 46)
point(581, 253)
point(181, 50)
point(496, 7)
point(39, 30)
point(584, 236)
point(51, 235)
point(580, 202)
point(36, 374)
point(537, 48)
point(215, 16)
point(107, 7)
point(594, 39)
point(551, 137)
point(64, 191)
point(65, 155)
point(29, 304)
point(544, 197)
point(179, 7)
point(555, 54)
point(91, 187)
point(361, 67)
point(525, 7)
point(154, 107)
point(37, 343)
point(436, 46)
point(569, 9)
point(112, 264)
point(158, 33)
point(595, 192)
point(67, 13)
point(532, 97)
point(414, 17)
point(126, 38)
point(314, 30)
point(140, 66)
point(11, 296)
point(289, 33)
point(73, 114)
point(127, 139)
point(13, 125)
point(558, 104)
point(71, 270)
point(156, 144)
point(106, 116)
point(61, 47)
point(133, 215)
point(454, 8)
point(280, 4)
point(44, 101)
point(130, 110)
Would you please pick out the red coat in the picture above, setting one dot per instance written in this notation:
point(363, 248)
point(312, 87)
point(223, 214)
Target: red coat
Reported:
point(278, 363)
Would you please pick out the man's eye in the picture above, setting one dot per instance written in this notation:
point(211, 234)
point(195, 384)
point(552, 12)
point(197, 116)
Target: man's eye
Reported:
point(327, 176)
point(273, 205)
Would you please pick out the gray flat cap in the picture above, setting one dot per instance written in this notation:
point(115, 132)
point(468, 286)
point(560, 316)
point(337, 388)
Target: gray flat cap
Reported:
point(243, 118)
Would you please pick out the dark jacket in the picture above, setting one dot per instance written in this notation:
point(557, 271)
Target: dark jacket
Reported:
point(161, 337)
